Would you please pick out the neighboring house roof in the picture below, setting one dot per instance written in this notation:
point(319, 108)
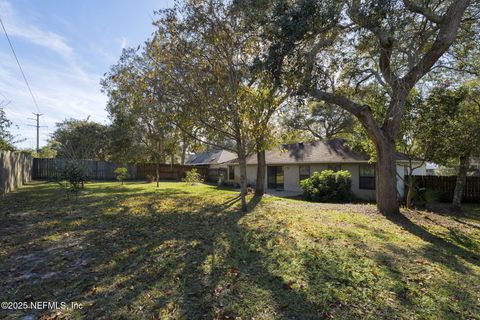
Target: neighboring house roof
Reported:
point(330, 151)
point(211, 157)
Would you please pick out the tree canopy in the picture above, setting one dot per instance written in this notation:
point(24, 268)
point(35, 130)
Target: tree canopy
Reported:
point(6, 137)
point(79, 139)
point(329, 50)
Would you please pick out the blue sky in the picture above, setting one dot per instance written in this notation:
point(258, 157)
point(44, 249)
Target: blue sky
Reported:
point(65, 47)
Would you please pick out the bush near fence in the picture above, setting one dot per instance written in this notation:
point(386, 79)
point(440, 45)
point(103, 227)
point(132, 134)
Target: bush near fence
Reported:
point(444, 187)
point(15, 170)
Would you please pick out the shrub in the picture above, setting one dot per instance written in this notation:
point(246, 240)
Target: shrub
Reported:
point(121, 174)
point(328, 186)
point(193, 176)
point(75, 177)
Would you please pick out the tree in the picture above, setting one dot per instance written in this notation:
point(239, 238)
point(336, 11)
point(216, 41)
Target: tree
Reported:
point(121, 174)
point(208, 54)
point(321, 120)
point(138, 106)
point(124, 145)
point(44, 152)
point(7, 140)
point(450, 128)
point(79, 139)
point(356, 43)
point(410, 145)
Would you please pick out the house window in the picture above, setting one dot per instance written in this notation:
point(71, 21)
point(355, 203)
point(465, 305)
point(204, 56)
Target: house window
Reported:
point(335, 167)
point(231, 173)
point(304, 172)
point(367, 176)
point(275, 178)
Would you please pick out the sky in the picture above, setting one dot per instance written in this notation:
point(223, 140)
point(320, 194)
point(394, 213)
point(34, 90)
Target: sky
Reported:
point(64, 48)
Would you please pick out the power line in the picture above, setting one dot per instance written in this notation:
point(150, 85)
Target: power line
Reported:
point(19, 66)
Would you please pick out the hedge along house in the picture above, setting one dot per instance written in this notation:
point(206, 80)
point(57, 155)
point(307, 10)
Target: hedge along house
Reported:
point(291, 163)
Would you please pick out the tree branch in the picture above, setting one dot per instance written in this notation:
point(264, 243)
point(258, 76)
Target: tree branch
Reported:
point(385, 40)
point(362, 112)
point(426, 12)
point(446, 35)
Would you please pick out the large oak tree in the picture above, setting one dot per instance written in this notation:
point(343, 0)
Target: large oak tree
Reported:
point(331, 45)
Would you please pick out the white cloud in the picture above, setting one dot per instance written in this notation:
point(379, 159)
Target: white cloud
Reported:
point(16, 27)
point(61, 87)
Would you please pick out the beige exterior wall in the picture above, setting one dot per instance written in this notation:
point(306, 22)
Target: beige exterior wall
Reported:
point(251, 174)
point(291, 177)
point(291, 174)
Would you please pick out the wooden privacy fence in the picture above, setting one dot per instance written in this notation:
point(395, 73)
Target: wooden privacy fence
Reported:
point(445, 185)
point(167, 171)
point(15, 170)
point(51, 169)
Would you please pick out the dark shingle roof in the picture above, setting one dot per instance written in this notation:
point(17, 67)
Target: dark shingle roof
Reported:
point(330, 151)
point(211, 157)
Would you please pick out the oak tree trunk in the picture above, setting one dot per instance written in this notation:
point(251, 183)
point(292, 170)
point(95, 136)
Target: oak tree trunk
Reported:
point(157, 173)
point(460, 183)
point(261, 167)
point(411, 191)
point(243, 182)
point(386, 178)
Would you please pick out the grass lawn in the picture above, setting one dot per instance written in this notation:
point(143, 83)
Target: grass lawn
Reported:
point(187, 252)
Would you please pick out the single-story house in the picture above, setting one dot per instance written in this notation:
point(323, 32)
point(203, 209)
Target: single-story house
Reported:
point(212, 158)
point(290, 163)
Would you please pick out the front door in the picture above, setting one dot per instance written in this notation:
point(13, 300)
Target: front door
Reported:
point(275, 177)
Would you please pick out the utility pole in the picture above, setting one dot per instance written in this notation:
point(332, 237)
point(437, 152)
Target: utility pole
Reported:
point(38, 128)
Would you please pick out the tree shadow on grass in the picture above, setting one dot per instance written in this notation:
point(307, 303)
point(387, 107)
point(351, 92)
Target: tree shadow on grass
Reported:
point(470, 211)
point(132, 265)
point(424, 283)
point(131, 253)
point(445, 246)
point(415, 277)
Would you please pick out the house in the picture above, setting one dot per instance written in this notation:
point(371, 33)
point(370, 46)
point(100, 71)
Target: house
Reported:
point(289, 164)
point(212, 158)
